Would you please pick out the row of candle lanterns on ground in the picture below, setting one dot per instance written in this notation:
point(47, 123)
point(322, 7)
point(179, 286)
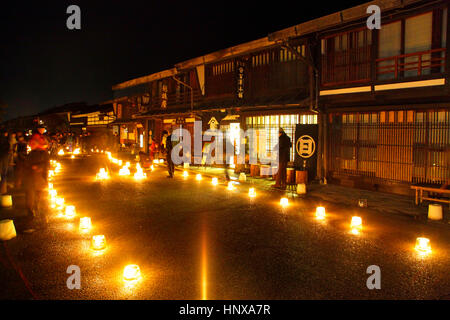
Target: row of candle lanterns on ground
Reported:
point(98, 242)
point(422, 244)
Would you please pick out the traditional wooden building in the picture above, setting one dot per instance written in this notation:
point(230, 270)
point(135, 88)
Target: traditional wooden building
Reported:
point(379, 98)
point(384, 94)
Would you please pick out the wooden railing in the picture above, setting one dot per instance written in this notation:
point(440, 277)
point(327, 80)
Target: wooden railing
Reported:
point(433, 60)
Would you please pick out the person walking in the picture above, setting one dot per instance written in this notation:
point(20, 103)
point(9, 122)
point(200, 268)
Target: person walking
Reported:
point(36, 172)
point(19, 168)
point(284, 150)
point(4, 161)
point(167, 144)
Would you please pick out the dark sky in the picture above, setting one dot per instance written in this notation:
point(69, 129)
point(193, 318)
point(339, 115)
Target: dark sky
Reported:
point(43, 64)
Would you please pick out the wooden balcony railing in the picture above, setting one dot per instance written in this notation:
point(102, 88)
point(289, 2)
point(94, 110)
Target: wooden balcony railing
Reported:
point(412, 64)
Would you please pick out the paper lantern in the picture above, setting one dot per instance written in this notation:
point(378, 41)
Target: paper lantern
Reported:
point(6, 201)
point(215, 181)
point(124, 171)
point(434, 211)
point(7, 230)
point(198, 177)
point(98, 242)
point(242, 177)
point(185, 174)
point(161, 160)
point(230, 186)
point(186, 165)
point(102, 174)
point(76, 151)
point(320, 213)
point(251, 192)
point(356, 225)
point(423, 245)
point(85, 224)
point(131, 272)
point(70, 212)
point(284, 202)
point(61, 152)
point(139, 174)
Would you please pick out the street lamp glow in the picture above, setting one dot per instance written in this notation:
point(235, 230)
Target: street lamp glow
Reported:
point(98, 242)
point(284, 202)
point(198, 177)
point(215, 181)
point(251, 192)
point(320, 213)
point(131, 272)
point(423, 245)
point(85, 224)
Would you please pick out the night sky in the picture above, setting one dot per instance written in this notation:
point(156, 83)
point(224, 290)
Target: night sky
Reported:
point(43, 64)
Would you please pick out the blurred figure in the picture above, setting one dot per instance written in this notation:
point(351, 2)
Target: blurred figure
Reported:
point(284, 150)
point(36, 172)
point(21, 156)
point(4, 161)
point(167, 144)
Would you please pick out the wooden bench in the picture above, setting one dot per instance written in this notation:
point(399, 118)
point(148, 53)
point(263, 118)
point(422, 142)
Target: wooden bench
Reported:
point(420, 196)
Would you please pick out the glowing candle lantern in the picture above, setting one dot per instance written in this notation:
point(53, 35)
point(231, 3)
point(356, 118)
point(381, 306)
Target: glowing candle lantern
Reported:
point(60, 203)
point(76, 151)
point(198, 177)
point(185, 174)
point(120, 162)
point(70, 212)
point(50, 186)
point(98, 242)
point(139, 174)
point(131, 272)
point(251, 192)
point(124, 171)
point(127, 164)
point(320, 213)
point(215, 181)
point(72, 157)
point(51, 173)
point(423, 245)
point(161, 160)
point(230, 186)
point(155, 161)
point(85, 224)
point(356, 225)
point(52, 193)
point(284, 202)
point(102, 174)
point(6, 201)
point(152, 167)
point(61, 152)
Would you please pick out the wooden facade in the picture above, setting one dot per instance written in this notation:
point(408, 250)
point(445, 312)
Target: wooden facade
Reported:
point(380, 97)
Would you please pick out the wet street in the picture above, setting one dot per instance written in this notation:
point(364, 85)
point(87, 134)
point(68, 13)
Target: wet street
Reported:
point(193, 240)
